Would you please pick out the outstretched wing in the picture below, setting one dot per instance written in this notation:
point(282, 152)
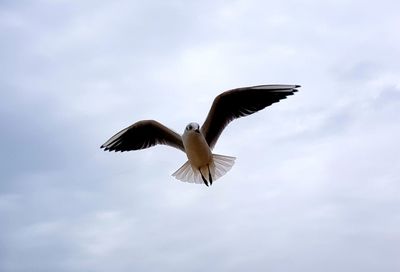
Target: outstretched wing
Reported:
point(141, 135)
point(240, 102)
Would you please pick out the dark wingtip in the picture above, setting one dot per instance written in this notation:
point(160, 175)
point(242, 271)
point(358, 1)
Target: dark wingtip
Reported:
point(105, 148)
point(109, 148)
point(294, 90)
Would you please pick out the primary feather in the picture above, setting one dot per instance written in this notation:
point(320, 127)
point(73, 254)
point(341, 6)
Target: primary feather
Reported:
point(241, 102)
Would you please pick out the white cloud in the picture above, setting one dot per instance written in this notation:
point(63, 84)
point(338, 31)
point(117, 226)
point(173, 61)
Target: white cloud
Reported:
point(315, 184)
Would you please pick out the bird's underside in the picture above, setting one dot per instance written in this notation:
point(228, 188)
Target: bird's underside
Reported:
point(197, 142)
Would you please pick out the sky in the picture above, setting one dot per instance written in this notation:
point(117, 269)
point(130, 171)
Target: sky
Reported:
point(316, 184)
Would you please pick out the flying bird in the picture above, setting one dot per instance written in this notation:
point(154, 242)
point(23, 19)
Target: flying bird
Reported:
point(197, 142)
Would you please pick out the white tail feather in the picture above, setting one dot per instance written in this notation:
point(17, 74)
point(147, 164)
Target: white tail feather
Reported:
point(218, 167)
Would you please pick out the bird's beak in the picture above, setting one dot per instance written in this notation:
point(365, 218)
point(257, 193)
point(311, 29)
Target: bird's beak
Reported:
point(197, 130)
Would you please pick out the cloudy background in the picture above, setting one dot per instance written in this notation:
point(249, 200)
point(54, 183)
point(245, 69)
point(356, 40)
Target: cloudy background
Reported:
point(316, 185)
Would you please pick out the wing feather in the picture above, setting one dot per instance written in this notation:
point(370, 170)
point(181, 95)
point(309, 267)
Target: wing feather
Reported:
point(141, 135)
point(241, 102)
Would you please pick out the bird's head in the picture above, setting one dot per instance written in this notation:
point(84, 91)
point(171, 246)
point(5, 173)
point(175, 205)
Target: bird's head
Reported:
point(192, 127)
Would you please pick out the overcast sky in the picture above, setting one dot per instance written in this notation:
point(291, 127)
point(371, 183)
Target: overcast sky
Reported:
point(316, 184)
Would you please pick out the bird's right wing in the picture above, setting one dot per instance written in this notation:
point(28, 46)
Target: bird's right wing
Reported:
point(238, 103)
point(143, 134)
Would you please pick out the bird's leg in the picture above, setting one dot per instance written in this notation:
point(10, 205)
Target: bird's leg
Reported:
point(209, 174)
point(204, 179)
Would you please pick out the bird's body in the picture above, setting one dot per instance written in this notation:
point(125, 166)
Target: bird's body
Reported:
point(197, 142)
point(197, 149)
point(202, 166)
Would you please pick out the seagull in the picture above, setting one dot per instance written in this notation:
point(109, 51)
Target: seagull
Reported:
point(197, 142)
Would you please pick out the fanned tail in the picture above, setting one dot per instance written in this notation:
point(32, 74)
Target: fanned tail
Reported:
point(222, 164)
point(219, 166)
point(186, 174)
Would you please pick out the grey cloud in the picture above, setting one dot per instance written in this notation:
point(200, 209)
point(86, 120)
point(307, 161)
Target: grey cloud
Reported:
point(315, 184)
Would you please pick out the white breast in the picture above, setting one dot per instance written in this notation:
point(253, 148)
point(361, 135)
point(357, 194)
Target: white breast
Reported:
point(197, 149)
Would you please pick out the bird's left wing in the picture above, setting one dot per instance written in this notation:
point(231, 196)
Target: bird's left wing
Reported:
point(241, 102)
point(141, 135)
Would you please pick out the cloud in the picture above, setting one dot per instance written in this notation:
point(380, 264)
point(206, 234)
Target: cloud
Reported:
point(315, 184)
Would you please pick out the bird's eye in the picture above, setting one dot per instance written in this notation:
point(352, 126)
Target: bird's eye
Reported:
point(189, 127)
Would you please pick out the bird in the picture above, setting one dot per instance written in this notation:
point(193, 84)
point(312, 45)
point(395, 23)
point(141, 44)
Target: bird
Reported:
point(197, 142)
